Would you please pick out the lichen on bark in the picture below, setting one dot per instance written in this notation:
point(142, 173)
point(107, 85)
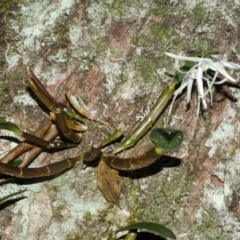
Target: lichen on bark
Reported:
point(111, 54)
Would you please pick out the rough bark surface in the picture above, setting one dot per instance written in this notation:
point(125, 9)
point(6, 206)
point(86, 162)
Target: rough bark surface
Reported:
point(111, 54)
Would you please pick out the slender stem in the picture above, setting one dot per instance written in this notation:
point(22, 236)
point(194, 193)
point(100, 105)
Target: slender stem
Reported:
point(35, 140)
point(148, 121)
point(49, 170)
point(129, 164)
point(23, 146)
point(35, 151)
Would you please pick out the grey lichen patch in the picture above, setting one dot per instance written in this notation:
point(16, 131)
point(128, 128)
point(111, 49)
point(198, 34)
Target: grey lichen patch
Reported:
point(209, 226)
point(24, 100)
point(218, 194)
point(33, 27)
point(157, 197)
point(221, 135)
point(105, 222)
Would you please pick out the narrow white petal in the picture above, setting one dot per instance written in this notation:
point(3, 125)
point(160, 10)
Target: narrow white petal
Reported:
point(215, 66)
point(180, 89)
point(231, 65)
point(189, 89)
point(220, 82)
point(184, 58)
point(176, 93)
point(219, 57)
point(200, 86)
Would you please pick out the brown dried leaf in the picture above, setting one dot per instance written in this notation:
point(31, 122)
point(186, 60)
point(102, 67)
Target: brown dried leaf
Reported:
point(108, 182)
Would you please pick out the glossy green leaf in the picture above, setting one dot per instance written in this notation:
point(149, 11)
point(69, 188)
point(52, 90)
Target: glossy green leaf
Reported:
point(166, 138)
point(114, 136)
point(2, 200)
point(11, 127)
point(151, 227)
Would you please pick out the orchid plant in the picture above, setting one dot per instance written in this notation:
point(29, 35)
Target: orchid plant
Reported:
point(195, 68)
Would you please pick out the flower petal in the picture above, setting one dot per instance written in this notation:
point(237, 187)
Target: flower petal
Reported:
point(231, 65)
point(215, 66)
point(184, 58)
point(200, 85)
point(189, 89)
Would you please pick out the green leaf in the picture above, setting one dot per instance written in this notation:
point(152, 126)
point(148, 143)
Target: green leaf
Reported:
point(15, 163)
point(166, 138)
point(118, 133)
point(151, 227)
point(11, 127)
point(209, 54)
point(2, 200)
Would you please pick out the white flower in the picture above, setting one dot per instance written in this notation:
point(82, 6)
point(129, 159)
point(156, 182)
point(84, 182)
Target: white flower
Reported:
point(198, 73)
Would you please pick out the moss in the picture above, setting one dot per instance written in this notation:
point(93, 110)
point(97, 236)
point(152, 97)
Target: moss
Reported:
point(146, 68)
point(197, 15)
point(209, 227)
point(160, 31)
point(117, 7)
point(200, 43)
point(53, 189)
point(58, 36)
point(6, 4)
point(86, 54)
point(160, 9)
point(233, 151)
point(151, 58)
point(101, 221)
point(136, 214)
point(57, 212)
point(77, 236)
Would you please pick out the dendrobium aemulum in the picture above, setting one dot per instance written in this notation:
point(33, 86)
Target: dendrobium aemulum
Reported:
point(193, 68)
point(198, 72)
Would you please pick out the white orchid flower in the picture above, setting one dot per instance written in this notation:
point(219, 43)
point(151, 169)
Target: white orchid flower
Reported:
point(198, 73)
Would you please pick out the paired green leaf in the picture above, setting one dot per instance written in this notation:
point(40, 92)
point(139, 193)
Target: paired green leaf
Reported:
point(151, 227)
point(2, 200)
point(166, 138)
point(11, 127)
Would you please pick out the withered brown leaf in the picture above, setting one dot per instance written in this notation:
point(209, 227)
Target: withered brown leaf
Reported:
point(108, 182)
